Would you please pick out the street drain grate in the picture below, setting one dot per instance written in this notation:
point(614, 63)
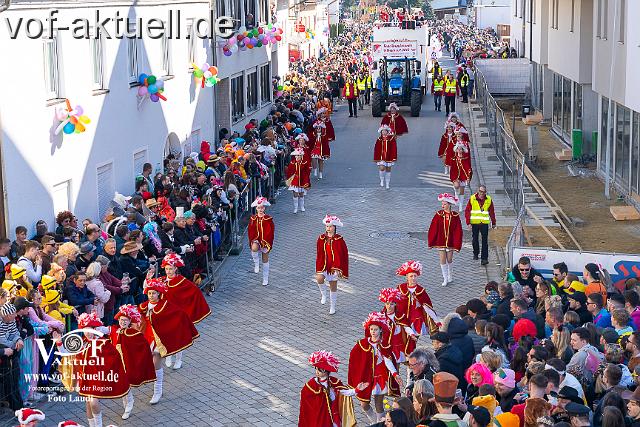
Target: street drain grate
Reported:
point(394, 235)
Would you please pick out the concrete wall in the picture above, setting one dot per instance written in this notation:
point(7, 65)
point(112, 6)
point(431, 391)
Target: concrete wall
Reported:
point(524, 32)
point(505, 76)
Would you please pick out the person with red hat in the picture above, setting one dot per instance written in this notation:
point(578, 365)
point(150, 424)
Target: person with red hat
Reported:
point(99, 368)
point(416, 306)
point(401, 338)
point(460, 171)
point(323, 114)
point(321, 150)
point(261, 230)
point(29, 417)
point(166, 327)
point(385, 154)
point(324, 398)
point(69, 423)
point(445, 234)
point(447, 142)
point(332, 260)
point(298, 174)
point(301, 142)
point(395, 121)
point(135, 351)
point(371, 363)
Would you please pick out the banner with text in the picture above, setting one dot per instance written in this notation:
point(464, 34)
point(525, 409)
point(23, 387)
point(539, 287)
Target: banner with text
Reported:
point(395, 49)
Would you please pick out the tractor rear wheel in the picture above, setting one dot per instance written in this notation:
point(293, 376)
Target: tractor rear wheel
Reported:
point(416, 103)
point(376, 103)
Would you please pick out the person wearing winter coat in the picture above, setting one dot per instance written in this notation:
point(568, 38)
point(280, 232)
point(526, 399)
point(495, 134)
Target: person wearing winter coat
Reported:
point(449, 356)
point(97, 288)
point(459, 337)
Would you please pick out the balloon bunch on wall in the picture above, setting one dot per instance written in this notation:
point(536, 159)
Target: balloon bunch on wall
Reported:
point(151, 86)
point(248, 39)
point(207, 75)
point(310, 34)
point(72, 120)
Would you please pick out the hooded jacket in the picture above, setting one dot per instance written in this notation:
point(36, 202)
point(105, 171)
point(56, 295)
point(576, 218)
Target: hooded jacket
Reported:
point(459, 337)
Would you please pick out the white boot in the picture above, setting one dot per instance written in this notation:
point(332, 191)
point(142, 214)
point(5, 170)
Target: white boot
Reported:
point(168, 361)
point(91, 422)
point(315, 172)
point(97, 420)
point(388, 178)
point(295, 205)
point(128, 405)
point(461, 201)
point(381, 173)
point(256, 263)
point(449, 272)
point(323, 292)
point(445, 274)
point(301, 200)
point(265, 273)
point(157, 387)
point(178, 363)
point(333, 296)
point(320, 175)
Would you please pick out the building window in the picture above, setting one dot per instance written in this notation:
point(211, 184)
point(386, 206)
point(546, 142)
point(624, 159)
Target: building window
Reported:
point(192, 144)
point(605, 18)
point(635, 154)
point(598, 19)
point(522, 8)
point(139, 159)
point(604, 132)
point(566, 107)
point(221, 6)
point(621, 25)
point(52, 67)
point(236, 13)
point(252, 91)
point(533, 8)
point(573, 14)
point(577, 106)
point(106, 188)
point(132, 62)
point(191, 43)
point(97, 60)
point(515, 8)
point(237, 98)
point(265, 83)
point(623, 141)
point(263, 11)
point(557, 99)
point(557, 12)
point(166, 54)
point(250, 13)
point(60, 196)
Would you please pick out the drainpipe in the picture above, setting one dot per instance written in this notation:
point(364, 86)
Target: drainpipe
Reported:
point(610, 135)
point(3, 194)
point(214, 93)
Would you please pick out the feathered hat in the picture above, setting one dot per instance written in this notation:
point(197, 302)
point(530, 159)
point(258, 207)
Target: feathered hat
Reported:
point(321, 110)
point(332, 220)
point(302, 136)
point(129, 311)
point(27, 415)
point(390, 295)
point(393, 105)
point(378, 319)
point(174, 260)
point(319, 124)
point(449, 198)
point(68, 423)
point(409, 267)
point(462, 145)
point(297, 152)
point(324, 360)
point(89, 320)
point(383, 128)
point(155, 285)
point(260, 201)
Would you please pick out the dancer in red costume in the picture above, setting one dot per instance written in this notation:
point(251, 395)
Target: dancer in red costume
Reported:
point(261, 231)
point(332, 260)
point(401, 337)
point(447, 142)
point(166, 327)
point(454, 119)
point(416, 305)
point(385, 154)
point(299, 176)
point(301, 143)
point(183, 292)
point(100, 371)
point(323, 114)
point(371, 362)
point(395, 121)
point(324, 397)
point(29, 417)
point(445, 234)
point(135, 352)
point(321, 150)
point(460, 171)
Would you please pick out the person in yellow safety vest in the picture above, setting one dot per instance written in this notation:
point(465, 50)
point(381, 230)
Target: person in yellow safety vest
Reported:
point(361, 82)
point(450, 91)
point(437, 88)
point(479, 213)
point(436, 70)
point(367, 92)
point(350, 92)
point(464, 86)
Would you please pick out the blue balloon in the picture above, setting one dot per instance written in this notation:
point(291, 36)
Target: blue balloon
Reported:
point(152, 89)
point(69, 128)
point(141, 78)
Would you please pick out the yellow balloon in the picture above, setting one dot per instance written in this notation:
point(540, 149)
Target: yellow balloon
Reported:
point(84, 119)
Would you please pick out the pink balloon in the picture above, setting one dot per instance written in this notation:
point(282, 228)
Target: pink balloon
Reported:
point(142, 90)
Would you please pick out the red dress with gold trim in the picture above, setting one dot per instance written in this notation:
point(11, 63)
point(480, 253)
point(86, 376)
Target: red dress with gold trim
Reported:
point(386, 149)
point(331, 133)
point(445, 231)
point(317, 409)
point(445, 150)
point(332, 254)
point(102, 376)
point(136, 355)
point(261, 229)
point(396, 122)
point(366, 365)
point(399, 341)
point(301, 172)
point(412, 308)
point(168, 327)
point(460, 169)
point(464, 135)
point(320, 138)
point(186, 295)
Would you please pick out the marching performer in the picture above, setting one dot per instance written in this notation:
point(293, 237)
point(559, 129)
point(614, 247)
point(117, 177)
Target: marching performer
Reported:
point(299, 177)
point(395, 121)
point(301, 144)
point(371, 362)
point(401, 338)
point(323, 114)
point(135, 352)
point(105, 380)
point(385, 154)
point(460, 171)
point(457, 124)
point(324, 398)
point(415, 307)
point(445, 234)
point(321, 150)
point(166, 327)
point(332, 260)
point(260, 230)
point(447, 142)
point(29, 417)
point(182, 291)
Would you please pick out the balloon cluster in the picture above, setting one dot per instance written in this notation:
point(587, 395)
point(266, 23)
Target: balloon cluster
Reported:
point(207, 75)
point(282, 88)
point(310, 34)
point(72, 120)
point(248, 39)
point(151, 86)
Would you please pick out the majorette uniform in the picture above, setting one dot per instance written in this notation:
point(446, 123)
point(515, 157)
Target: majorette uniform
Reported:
point(373, 363)
point(298, 172)
point(321, 401)
point(445, 233)
point(301, 143)
point(184, 293)
point(106, 379)
point(395, 121)
point(332, 259)
point(416, 305)
point(458, 126)
point(27, 416)
point(320, 137)
point(445, 150)
point(331, 133)
point(399, 328)
point(460, 168)
point(261, 230)
point(385, 152)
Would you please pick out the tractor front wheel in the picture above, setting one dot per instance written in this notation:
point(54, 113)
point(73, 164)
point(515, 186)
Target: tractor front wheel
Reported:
point(416, 103)
point(376, 103)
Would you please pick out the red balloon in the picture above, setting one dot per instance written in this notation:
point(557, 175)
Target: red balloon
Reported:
point(239, 37)
point(278, 38)
point(260, 30)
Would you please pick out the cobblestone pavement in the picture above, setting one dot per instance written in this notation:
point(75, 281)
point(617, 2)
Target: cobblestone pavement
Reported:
point(249, 364)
